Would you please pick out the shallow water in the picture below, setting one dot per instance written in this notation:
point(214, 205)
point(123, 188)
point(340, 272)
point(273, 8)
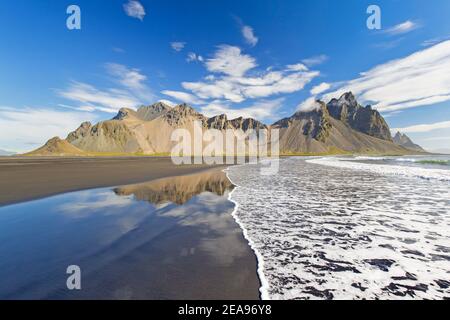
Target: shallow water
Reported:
point(172, 238)
point(340, 229)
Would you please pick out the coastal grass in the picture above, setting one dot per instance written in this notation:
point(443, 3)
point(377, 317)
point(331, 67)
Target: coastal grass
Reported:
point(436, 162)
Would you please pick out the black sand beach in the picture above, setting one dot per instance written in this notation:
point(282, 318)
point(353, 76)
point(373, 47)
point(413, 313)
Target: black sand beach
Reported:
point(28, 178)
point(166, 238)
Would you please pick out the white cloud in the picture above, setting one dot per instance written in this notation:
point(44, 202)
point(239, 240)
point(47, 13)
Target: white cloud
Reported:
point(419, 79)
point(249, 35)
point(24, 129)
point(316, 60)
point(182, 96)
point(234, 85)
point(309, 104)
point(134, 9)
point(262, 110)
point(433, 41)
point(177, 46)
point(130, 91)
point(191, 57)
point(230, 61)
point(130, 78)
point(403, 27)
point(297, 67)
point(110, 100)
point(423, 127)
point(320, 88)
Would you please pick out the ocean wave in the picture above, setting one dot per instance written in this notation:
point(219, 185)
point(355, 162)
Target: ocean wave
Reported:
point(418, 172)
point(325, 232)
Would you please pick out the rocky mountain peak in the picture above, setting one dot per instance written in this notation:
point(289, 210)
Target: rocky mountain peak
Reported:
point(363, 119)
point(247, 124)
point(125, 113)
point(314, 123)
point(183, 113)
point(81, 132)
point(148, 113)
point(403, 140)
point(219, 122)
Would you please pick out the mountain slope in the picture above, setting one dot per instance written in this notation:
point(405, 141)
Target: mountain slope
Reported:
point(56, 147)
point(403, 140)
point(337, 127)
point(341, 126)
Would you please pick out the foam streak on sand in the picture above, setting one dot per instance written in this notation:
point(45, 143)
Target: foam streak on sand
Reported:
point(325, 232)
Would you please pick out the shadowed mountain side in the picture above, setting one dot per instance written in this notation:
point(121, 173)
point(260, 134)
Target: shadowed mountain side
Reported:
point(178, 190)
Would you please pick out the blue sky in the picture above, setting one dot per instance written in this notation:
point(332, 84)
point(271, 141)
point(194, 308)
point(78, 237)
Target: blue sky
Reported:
point(257, 58)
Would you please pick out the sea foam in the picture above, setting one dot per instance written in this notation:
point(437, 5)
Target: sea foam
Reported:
point(332, 232)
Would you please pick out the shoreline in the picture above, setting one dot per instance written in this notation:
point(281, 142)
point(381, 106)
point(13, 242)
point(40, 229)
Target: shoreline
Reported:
point(30, 178)
point(169, 241)
point(264, 284)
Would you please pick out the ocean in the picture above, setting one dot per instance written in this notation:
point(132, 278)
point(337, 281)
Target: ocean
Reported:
point(348, 227)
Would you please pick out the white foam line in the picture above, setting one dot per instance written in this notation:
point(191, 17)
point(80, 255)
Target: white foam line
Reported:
point(438, 174)
point(264, 289)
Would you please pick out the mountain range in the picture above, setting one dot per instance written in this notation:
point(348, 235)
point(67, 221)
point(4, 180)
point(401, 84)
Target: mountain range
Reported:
point(339, 126)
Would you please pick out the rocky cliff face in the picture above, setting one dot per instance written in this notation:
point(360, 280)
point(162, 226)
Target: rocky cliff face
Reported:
point(313, 124)
point(403, 140)
point(342, 125)
point(363, 119)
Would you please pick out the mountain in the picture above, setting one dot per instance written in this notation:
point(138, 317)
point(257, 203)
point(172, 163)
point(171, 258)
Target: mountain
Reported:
point(359, 118)
point(403, 140)
point(148, 130)
point(339, 126)
point(6, 153)
point(56, 147)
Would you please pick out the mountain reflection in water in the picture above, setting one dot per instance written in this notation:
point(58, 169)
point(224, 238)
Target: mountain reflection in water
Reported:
point(178, 190)
point(172, 238)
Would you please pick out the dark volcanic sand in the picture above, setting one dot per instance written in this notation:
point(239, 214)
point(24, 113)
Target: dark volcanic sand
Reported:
point(26, 178)
point(192, 249)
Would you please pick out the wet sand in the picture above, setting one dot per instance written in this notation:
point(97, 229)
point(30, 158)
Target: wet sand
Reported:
point(29, 178)
point(190, 249)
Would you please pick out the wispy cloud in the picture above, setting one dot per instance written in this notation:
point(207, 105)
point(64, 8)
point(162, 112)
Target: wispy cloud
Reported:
point(192, 57)
point(261, 110)
point(178, 45)
point(108, 100)
point(249, 35)
point(129, 78)
point(308, 105)
point(134, 9)
point(315, 60)
point(433, 41)
point(182, 97)
point(424, 127)
point(31, 127)
point(419, 79)
point(402, 28)
point(130, 91)
point(320, 88)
